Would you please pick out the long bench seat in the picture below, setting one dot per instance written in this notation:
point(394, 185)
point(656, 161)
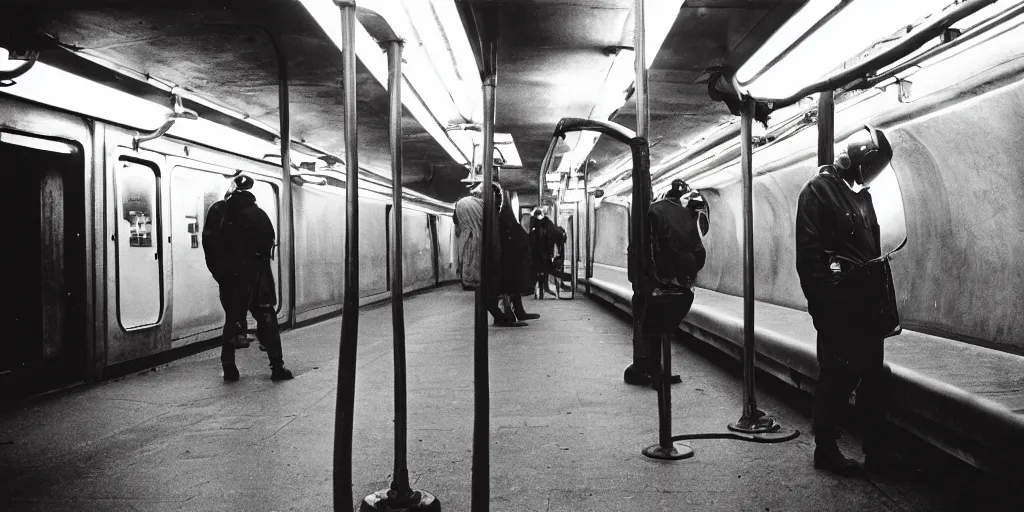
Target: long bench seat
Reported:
point(964, 399)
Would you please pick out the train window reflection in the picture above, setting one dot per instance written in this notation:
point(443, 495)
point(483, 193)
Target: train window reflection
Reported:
point(140, 284)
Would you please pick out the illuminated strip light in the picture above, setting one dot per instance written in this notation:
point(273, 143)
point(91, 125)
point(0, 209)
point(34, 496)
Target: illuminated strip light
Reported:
point(462, 53)
point(51, 86)
point(659, 16)
point(36, 143)
point(327, 16)
point(822, 36)
point(376, 63)
point(208, 133)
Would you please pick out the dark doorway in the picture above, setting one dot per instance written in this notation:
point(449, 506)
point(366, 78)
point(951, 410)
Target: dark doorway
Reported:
point(43, 211)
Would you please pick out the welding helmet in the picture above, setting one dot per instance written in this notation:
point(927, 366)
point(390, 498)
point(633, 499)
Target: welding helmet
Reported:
point(866, 155)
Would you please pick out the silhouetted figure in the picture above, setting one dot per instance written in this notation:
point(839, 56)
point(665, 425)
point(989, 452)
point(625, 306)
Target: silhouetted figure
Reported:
point(516, 264)
point(544, 240)
point(837, 235)
point(469, 218)
point(239, 241)
point(673, 258)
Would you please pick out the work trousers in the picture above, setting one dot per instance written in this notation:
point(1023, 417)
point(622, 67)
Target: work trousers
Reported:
point(849, 358)
point(250, 291)
point(658, 315)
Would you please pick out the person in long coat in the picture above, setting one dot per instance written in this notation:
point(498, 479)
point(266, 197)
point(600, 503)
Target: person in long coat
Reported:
point(469, 223)
point(517, 275)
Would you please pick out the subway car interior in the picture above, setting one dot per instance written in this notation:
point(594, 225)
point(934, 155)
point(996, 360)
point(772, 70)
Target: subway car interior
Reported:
point(722, 232)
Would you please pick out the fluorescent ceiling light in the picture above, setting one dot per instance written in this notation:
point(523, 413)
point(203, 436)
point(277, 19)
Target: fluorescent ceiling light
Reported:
point(202, 131)
point(425, 93)
point(853, 29)
point(328, 16)
point(51, 86)
point(787, 35)
point(659, 17)
point(36, 143)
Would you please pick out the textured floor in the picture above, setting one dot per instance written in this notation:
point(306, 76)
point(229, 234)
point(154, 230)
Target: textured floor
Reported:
point(566, 433)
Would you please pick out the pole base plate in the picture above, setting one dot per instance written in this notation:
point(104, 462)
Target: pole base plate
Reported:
point(779, 435)
point(676, 451)
point(757, 423)
point(385, 500)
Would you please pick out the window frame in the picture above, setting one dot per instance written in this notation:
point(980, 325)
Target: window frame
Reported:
point(150, 161)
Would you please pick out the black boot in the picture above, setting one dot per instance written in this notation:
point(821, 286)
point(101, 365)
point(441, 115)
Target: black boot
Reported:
point(636, 377)
point(828, 457)
point(509, 322)
point(279, 372)
point(230, 372)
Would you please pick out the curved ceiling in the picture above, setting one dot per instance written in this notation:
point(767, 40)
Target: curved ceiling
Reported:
point(553, 61)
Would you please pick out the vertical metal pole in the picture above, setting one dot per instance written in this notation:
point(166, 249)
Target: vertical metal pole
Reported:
point(350, 309)
point(401, 495)
point(643, 110)
point(401, 474)
point(752, 420)
point(746, 152)
point(574, 264)
point(588, 270)
point(641, 201)
point(826, 127)
point(665, 395)
point(481, 485)
point(286, 172)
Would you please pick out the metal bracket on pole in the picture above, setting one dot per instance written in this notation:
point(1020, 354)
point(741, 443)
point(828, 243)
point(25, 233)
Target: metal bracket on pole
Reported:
point(753, 421)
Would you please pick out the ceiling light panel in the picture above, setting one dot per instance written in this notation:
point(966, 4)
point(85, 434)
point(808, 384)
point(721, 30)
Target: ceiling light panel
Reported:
point(852, 30)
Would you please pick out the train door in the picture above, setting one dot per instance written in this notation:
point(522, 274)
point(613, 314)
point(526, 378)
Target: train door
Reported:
point(195, 294)
point(42, 205)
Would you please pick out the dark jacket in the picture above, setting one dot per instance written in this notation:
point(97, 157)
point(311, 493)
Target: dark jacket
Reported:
point(516, 265)
point(238, 238)
point(836, 231)
point(213, 244)
point(544, 238)
point(676, 253)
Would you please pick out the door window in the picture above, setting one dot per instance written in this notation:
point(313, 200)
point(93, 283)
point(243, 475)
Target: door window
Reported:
point(140, 283)
point(195, 293)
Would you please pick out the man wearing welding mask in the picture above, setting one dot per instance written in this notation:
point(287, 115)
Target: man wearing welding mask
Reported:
point(837, 246)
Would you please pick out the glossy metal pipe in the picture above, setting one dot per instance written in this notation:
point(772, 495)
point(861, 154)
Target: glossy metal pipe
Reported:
point(901, 49)
point(749, 400)
point(401, 474)
point(574, 226)
point(481, 485)
point(641, 201)
point(643, 111)
point(284, 112)
point(350, 309)
point(587, 269)
point(826, 127)
point(752, 420)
